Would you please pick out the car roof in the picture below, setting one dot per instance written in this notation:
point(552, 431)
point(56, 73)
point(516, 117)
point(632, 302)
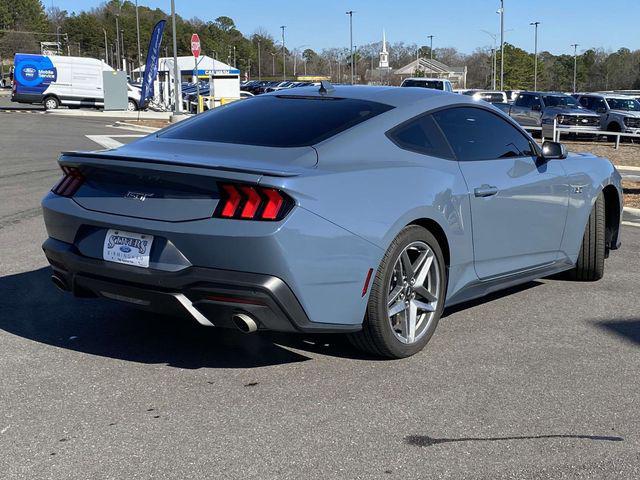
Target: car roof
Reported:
point(423, 79)
point(544, 93)
point(394, 96)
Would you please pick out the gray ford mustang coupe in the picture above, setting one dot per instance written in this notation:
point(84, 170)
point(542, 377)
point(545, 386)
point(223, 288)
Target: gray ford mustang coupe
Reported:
point(362, 210)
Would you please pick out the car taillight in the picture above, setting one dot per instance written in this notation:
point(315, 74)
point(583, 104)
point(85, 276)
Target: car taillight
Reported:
point(251, 202)
point(69, 183)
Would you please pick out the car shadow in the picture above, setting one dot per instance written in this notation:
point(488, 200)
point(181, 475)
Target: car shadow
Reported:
point(490, 297)
point(425, 441)
point(33, 308)
point(628, 329)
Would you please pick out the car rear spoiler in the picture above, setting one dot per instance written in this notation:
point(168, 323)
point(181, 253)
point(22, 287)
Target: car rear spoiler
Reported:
point(68, 157)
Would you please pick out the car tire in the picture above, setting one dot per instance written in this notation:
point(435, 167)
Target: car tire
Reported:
point(590, 264)
point(132, 106)
point(383, 334)
point(51, 103)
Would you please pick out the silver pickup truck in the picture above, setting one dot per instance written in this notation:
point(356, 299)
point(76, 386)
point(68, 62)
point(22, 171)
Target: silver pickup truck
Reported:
point(540, 109)
point(618, 113)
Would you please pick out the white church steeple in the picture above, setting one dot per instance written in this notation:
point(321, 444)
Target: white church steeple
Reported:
point(384, 55)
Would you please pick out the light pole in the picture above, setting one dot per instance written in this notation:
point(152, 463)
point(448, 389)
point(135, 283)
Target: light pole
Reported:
point(575, 66)
point(259, 66)
point(430, 37)
point(106, 47)
point(234, 57)
point(284, 59)
point(501, 44)
point(177, 107)
point(117, 42)
point(350, 13)
point(138, 35)
point(535, 57)
point(494, 54)
point(273, 64)
point(58, 37)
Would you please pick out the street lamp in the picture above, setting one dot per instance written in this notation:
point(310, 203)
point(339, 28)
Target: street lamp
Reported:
point(284, 59)
point(273, 63)
point(350, 13)
point(430, 37)
point(575, 65)
point(535, 57)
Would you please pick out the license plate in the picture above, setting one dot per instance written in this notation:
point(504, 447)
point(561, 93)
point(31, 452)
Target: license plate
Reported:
point(127, 247)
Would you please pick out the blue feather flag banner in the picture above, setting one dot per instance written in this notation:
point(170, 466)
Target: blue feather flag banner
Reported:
point(151, 67)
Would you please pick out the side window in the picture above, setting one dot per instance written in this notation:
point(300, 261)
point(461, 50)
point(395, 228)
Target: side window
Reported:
point(524, 100)
point(477, 134)
point(585, 102)
point(598, 103)
point(421, 135)
point(535, 101)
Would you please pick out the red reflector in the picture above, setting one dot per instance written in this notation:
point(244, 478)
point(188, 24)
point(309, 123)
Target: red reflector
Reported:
point(252, 203)
point(366, 282)
point(231, 202)
point(274, 203)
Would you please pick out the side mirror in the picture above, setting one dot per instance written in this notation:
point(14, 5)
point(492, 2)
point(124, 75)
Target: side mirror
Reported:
point(537, 107)
point(601, 110)
point(554, 151)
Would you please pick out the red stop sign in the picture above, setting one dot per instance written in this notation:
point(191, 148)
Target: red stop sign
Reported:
point(195, 45)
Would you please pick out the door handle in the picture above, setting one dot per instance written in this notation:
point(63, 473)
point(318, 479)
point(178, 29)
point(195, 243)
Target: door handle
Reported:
point(485, 191)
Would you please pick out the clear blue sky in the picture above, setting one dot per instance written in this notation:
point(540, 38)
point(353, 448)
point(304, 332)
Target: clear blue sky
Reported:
point(609, 24)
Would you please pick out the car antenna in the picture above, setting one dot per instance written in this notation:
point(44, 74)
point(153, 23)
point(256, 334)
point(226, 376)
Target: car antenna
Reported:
point(326, 87)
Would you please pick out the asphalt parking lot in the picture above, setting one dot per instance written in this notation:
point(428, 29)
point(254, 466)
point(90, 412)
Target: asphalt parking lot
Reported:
point(537, 382)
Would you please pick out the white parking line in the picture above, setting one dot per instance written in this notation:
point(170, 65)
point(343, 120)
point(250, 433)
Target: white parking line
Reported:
point(108, 141)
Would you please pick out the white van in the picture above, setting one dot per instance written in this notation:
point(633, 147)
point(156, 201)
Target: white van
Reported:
point(52, 81)
point(433, 83)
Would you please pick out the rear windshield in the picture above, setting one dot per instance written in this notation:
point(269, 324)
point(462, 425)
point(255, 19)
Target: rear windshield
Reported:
point(278, 121)
point(433, 84)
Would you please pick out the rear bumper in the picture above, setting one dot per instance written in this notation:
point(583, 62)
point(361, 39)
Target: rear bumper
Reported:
point(216, 294)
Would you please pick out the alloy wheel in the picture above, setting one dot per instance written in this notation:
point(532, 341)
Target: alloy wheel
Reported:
point(413, 291)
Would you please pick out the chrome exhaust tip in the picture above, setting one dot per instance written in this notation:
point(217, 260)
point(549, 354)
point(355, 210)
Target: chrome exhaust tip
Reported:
point(60, 282)
point(244, 322)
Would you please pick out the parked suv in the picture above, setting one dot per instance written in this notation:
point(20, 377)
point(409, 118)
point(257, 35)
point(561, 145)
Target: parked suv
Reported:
point(432, 83)
point(618, 113)
point(540, 109)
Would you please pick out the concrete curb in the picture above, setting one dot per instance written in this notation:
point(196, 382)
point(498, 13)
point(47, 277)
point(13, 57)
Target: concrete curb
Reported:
point(111, 114)
point(635, 211)
point(633, 169)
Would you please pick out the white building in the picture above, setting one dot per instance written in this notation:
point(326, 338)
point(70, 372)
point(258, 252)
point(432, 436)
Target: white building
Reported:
point(426, 67)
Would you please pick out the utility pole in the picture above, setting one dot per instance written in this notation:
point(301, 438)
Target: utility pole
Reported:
point(430, 37)
point(535, 57)
point(259, 66)
point(350, 13)
point(501, 44)
point(284, 58)
point(575, 66)
point(106, 47)
point(139, 51)
point(177, 107)
point(234, 57)
point(273, 64)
